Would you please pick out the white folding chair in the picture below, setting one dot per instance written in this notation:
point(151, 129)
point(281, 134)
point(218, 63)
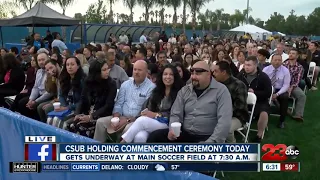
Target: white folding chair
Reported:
point(270, 98)
point(310, 75)
point(312, 69)
point(251, 100)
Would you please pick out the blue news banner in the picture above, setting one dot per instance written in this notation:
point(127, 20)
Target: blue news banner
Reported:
point(97, 157)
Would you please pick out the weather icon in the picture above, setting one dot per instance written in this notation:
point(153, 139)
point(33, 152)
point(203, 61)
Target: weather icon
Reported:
point(159, 167)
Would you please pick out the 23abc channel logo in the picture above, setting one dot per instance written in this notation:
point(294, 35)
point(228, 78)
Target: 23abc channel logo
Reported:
point(279, 152)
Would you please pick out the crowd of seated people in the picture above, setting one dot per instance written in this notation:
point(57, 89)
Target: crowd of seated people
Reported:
point(148, 89)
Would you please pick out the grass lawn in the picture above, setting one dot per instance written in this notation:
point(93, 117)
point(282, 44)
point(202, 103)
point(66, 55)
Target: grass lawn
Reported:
point(306, 136)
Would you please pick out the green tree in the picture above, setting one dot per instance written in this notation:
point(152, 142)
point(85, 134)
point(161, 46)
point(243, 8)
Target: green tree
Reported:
point(245, 13)
point(111, 2)
point(184, 14)
point(7, 9)
point(79, 16)
point(303, 28)
point(291, 23)
point(237, 18)
point(195, 6)
point(219, 13)
point(147, 4)
point(175, 4)
point(64, 4)
point(203, 20)
point(97, 13)
point(130, 4)
point(275, 22)
point(259, 23)
point(313, 22)
point(212, 18)
point(162, 4)
point(251, 20)
point(28, 4)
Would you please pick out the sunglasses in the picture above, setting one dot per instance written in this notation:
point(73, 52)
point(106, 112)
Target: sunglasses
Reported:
point(198, 70)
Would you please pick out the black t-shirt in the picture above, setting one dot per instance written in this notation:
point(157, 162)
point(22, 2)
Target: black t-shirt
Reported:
point(199, 91)
point(316, 57)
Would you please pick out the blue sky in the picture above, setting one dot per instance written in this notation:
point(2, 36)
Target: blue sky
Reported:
point(261, 9)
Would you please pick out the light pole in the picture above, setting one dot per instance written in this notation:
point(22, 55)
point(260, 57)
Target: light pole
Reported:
point(248, 11)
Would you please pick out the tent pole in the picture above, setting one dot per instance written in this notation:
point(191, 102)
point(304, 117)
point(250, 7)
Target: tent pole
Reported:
point(81, 32)
point(1, 36)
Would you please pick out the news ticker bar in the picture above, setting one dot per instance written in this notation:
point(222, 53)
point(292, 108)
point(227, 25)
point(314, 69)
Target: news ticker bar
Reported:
point(37, 167)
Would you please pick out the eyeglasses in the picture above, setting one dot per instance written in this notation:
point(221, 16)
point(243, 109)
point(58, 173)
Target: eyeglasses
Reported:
point(198, 70)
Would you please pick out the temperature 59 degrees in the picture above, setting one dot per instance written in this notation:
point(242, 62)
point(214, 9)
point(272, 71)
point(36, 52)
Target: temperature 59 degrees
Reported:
point(175, 167)
point(290, 166)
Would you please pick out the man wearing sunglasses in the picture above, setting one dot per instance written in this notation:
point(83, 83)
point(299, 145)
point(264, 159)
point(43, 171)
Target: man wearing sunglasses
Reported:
point(204, 108)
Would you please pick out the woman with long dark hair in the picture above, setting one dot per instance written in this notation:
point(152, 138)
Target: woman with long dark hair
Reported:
point(219, 55)
point(58, 58)
point(13, 78)
point(126, 65)
point(71, 84)
point(158, 106)
point(31, 78)
point(187, 61)
point(97, 99)
point(3, 51)
point(241, 59)
point(183, 72)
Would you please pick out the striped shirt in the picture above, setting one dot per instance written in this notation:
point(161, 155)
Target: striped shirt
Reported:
point(296, 72)
point(131, 97)
point(39, 85)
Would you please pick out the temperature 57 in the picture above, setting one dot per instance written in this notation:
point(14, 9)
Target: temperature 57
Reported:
point(175, 167)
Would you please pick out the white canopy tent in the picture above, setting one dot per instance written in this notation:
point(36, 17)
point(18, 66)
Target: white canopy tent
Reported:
point(281, 34)
point(255, 31)
point(249, 28)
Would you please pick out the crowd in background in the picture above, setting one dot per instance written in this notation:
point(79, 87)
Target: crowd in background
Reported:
point(201, 82)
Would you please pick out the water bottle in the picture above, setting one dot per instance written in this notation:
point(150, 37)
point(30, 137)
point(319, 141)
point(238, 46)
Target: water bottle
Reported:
point(56, 121)
point(49, 120)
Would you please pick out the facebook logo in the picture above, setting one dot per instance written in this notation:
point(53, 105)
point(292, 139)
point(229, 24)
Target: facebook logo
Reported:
point(41, 152)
